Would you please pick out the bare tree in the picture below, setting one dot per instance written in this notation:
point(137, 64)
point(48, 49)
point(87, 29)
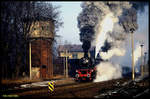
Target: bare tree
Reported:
point(16, 20)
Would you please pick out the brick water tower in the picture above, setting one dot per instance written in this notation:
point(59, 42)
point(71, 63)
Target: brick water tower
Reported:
point(41, 37)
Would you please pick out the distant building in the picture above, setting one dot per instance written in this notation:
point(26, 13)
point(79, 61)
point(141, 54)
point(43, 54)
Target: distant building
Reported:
point(41, 38)
point(73, 51)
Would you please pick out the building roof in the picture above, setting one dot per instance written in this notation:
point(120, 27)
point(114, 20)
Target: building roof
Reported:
point(72, 48)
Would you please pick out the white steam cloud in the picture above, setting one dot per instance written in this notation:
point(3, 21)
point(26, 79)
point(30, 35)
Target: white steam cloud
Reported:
point(106, 25)
point(107, 71)
point(112, 52)
point(105, 30)
point(137, 53)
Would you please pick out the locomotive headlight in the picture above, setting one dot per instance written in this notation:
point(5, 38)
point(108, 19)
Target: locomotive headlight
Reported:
point(86, 61)
point(76, 70)
point(92, 70)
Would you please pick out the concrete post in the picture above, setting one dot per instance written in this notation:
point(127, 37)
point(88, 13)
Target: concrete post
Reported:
point(133, 71)
point(30, 66)
point(132, 46)
point(66, 64)
point(142, 59)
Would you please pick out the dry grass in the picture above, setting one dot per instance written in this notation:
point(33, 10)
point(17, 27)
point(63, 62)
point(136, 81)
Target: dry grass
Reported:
point(26, 80)
point(19, 81)
point(58, 76)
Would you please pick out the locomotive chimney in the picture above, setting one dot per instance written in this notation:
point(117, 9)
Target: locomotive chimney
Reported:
point(86, 55)
point(86, 46)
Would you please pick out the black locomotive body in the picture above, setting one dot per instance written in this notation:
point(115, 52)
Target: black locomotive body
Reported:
point(86, 69)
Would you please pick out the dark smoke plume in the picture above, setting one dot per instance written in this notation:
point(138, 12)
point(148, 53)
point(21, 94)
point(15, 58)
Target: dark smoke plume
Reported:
point(128, 19)
point(86, 46)
point(87, 20)
point(85, 37)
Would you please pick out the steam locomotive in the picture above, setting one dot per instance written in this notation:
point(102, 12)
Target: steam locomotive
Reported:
point(86, 70)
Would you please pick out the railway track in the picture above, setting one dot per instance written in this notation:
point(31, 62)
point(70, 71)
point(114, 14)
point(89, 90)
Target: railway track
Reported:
point(88, 89)
point(85, 89)
point(74, 90)
point(19, 89)
point(131, 89)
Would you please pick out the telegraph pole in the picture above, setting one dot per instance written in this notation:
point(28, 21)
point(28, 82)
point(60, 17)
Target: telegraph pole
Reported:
point(30, 60)
point(145, 62)
point(66, 64)
point(142, 59)
point(132, 45)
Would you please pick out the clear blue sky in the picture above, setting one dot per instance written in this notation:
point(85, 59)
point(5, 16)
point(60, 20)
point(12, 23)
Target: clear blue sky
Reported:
point(69, 13)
